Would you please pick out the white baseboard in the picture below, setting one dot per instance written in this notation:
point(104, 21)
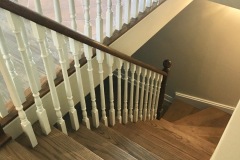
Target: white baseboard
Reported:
point(168, 98)
point(202, 103)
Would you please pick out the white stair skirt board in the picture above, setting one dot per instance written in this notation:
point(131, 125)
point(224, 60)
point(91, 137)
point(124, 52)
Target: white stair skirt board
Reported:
point(167, 11)
point(228, 146)
point(201, 103)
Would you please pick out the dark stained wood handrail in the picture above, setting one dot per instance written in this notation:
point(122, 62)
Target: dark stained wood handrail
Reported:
point(51, 24)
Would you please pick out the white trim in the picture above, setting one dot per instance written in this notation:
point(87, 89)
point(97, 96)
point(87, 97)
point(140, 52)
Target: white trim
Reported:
point(168, 98)
point(201, 103)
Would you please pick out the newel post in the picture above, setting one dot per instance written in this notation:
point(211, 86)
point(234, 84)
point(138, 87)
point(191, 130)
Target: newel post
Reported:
point(166, 64)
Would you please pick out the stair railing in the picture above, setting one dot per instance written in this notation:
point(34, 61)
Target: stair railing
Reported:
point(80, 45)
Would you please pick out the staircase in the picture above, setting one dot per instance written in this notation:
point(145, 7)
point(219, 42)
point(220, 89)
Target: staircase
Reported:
point(191, 134)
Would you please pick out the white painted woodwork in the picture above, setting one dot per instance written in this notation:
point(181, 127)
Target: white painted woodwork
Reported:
point(38, 8)
point(25, 124)
point(75, 49)
point(109, 19)
point(134, 8)
point(150, 96)
point(149, 3)
point(3, 107)
point(15, 24)
point(135, 113)
point(130, 114)
point(119, 10)
point(110, 62)
point(88, 54)
point(40, 35)
point(100, 58)
point(72, 11)
point(142, 6)
point(158, 94)
point(58, 40)
point(119, 94)
point(144, 73)
point(11, 68)
point(155, 88)
point(146, 96)
point(127, 10)
point(125, 105)
point(58, 18)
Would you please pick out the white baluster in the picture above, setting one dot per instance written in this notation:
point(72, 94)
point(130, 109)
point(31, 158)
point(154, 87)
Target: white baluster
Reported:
point(25, 124)
point(3, 108)
point(58, 40)
point(58, 18)
point(109, 19)
point(127, 12)
point(146, 97)
point(134, 8)
point(125, 109)
point(155, 86)
point(156, 1)
point(149, 3)
point(88, 54)
point(39, 33)
point(38, 8)
point(100, 58)
point(111, 94)
point(119, 100)
point(119, 15)
point(141, 6)
point(75, 49)
point(150, 96)
point(15, 77)
point(133, 69)
point(144, 73)
point(72, 14)
point(14, 22)
point(158, 94)
point(135, 115)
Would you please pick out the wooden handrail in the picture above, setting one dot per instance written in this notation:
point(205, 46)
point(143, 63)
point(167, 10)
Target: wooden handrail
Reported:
point(51, 24)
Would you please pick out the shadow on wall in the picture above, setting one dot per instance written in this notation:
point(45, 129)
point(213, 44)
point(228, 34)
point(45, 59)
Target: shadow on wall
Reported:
point(203, 44)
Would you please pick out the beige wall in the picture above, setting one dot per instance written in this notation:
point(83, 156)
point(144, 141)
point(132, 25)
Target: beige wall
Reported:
point(203, 42)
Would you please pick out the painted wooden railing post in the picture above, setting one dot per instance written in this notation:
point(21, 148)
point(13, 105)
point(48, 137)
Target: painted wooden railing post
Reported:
point(144, 73)
point(149, 3)
point(157, 95)
point(125, 109)
point(75, 49)
point(72, 11)
point(150, 96)
point(127, 12)
point(25, 124)
point(3, 108)
point(88, 55)
point(142, 5)
point(40, 35)
point(14, 22)
point(135, 115)
point(155, 88)
point(134, 8)
point(146, 97)
point(166, 64)
point(119, 15)
point(100, 58)
point(58, 40)
point(11, 68)
point(109, 19)
point(133, 69)
point(119, 99)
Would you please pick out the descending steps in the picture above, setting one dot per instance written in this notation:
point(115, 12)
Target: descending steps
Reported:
point(191, 134)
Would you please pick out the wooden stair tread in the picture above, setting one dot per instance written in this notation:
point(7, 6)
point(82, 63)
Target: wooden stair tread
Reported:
point(158, 146)
point(124, 143)
point(211, 117)
point(57, 146)
point(200, 143)
point(99, 145)
point(14, 151)
point(178, 110)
